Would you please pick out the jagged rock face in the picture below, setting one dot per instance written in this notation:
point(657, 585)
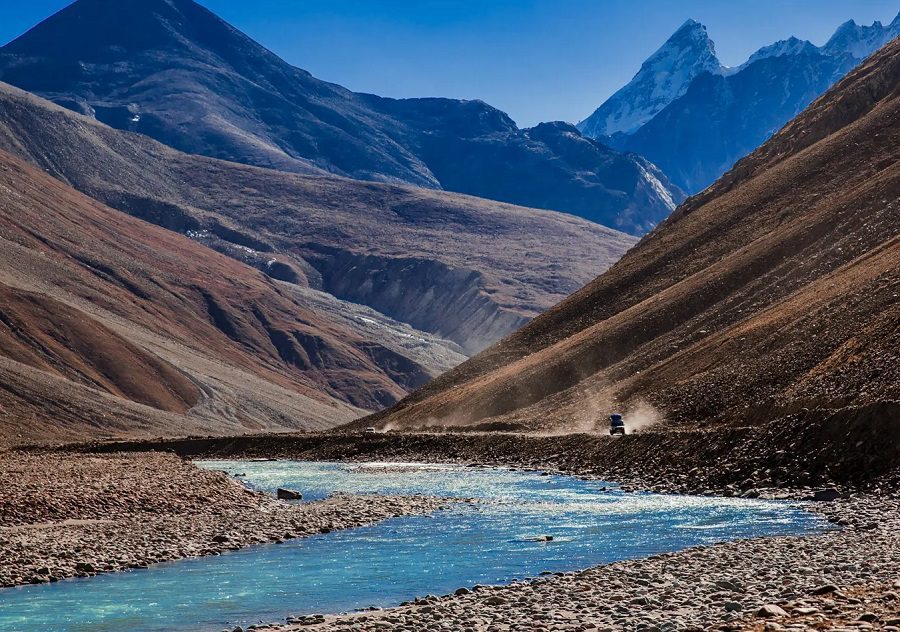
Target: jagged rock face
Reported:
point(430, 295)
point(694, 119)
point(174, 71)
point(664, 77)
point(773, 290)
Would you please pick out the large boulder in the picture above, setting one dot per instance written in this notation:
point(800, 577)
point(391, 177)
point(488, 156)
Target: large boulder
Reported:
point(288, 494)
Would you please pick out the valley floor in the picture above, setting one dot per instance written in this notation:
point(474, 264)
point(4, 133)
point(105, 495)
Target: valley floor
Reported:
point(760, 584)
point(158, 507)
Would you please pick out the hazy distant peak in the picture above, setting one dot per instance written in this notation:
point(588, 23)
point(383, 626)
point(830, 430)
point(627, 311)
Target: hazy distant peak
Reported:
point(790, 46)
point(666, 75)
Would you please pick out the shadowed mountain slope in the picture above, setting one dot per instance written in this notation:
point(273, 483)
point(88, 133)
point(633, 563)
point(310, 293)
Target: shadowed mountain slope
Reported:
point(722, 118)
point(174, 71)
point(776, 288)
point(458, 267)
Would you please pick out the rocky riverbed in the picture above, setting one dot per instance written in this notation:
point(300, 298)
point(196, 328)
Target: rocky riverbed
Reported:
point(846, 448)
point(845, 579)
point(74, 515)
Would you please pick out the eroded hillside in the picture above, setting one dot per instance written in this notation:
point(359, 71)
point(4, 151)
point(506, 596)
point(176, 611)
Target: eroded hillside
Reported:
point(461, 268)
point(110, 325)
point(777, 288)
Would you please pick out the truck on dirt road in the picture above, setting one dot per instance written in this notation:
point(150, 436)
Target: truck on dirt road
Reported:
point(616, 425)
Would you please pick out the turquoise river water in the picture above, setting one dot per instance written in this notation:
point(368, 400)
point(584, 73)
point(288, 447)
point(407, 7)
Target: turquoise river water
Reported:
point(489, 542)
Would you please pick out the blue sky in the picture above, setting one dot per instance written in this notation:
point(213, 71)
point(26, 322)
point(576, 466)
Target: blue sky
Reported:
point(535, 59)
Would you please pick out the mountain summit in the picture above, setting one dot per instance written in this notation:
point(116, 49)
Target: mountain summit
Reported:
point(695, 125)
point(664, 77)
point(174, 71)
point(860, 41)
point(112, 30)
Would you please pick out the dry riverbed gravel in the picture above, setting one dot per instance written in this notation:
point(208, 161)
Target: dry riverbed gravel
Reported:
point(74, 515)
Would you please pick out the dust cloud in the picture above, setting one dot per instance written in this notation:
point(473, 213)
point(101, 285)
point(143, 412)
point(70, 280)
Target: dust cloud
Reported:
point(640, 416)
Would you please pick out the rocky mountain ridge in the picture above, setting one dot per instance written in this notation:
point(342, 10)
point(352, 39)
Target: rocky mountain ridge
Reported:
point(174, 71)
point(773, 291)
point(663, 77)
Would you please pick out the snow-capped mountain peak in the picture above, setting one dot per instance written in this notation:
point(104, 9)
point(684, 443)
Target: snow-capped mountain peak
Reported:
point(790, 46)
point(860, 41)
point(664, 77)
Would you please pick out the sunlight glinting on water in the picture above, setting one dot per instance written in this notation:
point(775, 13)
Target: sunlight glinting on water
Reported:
point(491, 541)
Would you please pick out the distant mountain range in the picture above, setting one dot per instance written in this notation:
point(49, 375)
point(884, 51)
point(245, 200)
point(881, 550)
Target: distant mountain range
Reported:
point(694, 118)
point(771, 292)
point(174, 71)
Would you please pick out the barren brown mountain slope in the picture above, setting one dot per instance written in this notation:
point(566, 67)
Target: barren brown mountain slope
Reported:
point(110, 325)
point(778, 287)
point(465, 269)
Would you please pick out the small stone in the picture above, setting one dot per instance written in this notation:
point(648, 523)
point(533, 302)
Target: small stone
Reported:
point(805, 611)
point(869, 617)
point(826, 495)
point(825, 589)
point(640, 601)
point(770, 611)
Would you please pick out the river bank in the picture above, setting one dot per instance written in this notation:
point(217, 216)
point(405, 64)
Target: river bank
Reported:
point(791, 457)
point(66, 514)
point(761, 584)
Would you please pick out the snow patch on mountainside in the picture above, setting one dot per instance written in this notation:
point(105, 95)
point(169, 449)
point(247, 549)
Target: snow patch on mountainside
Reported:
point(790, 46)
point(651, 176)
